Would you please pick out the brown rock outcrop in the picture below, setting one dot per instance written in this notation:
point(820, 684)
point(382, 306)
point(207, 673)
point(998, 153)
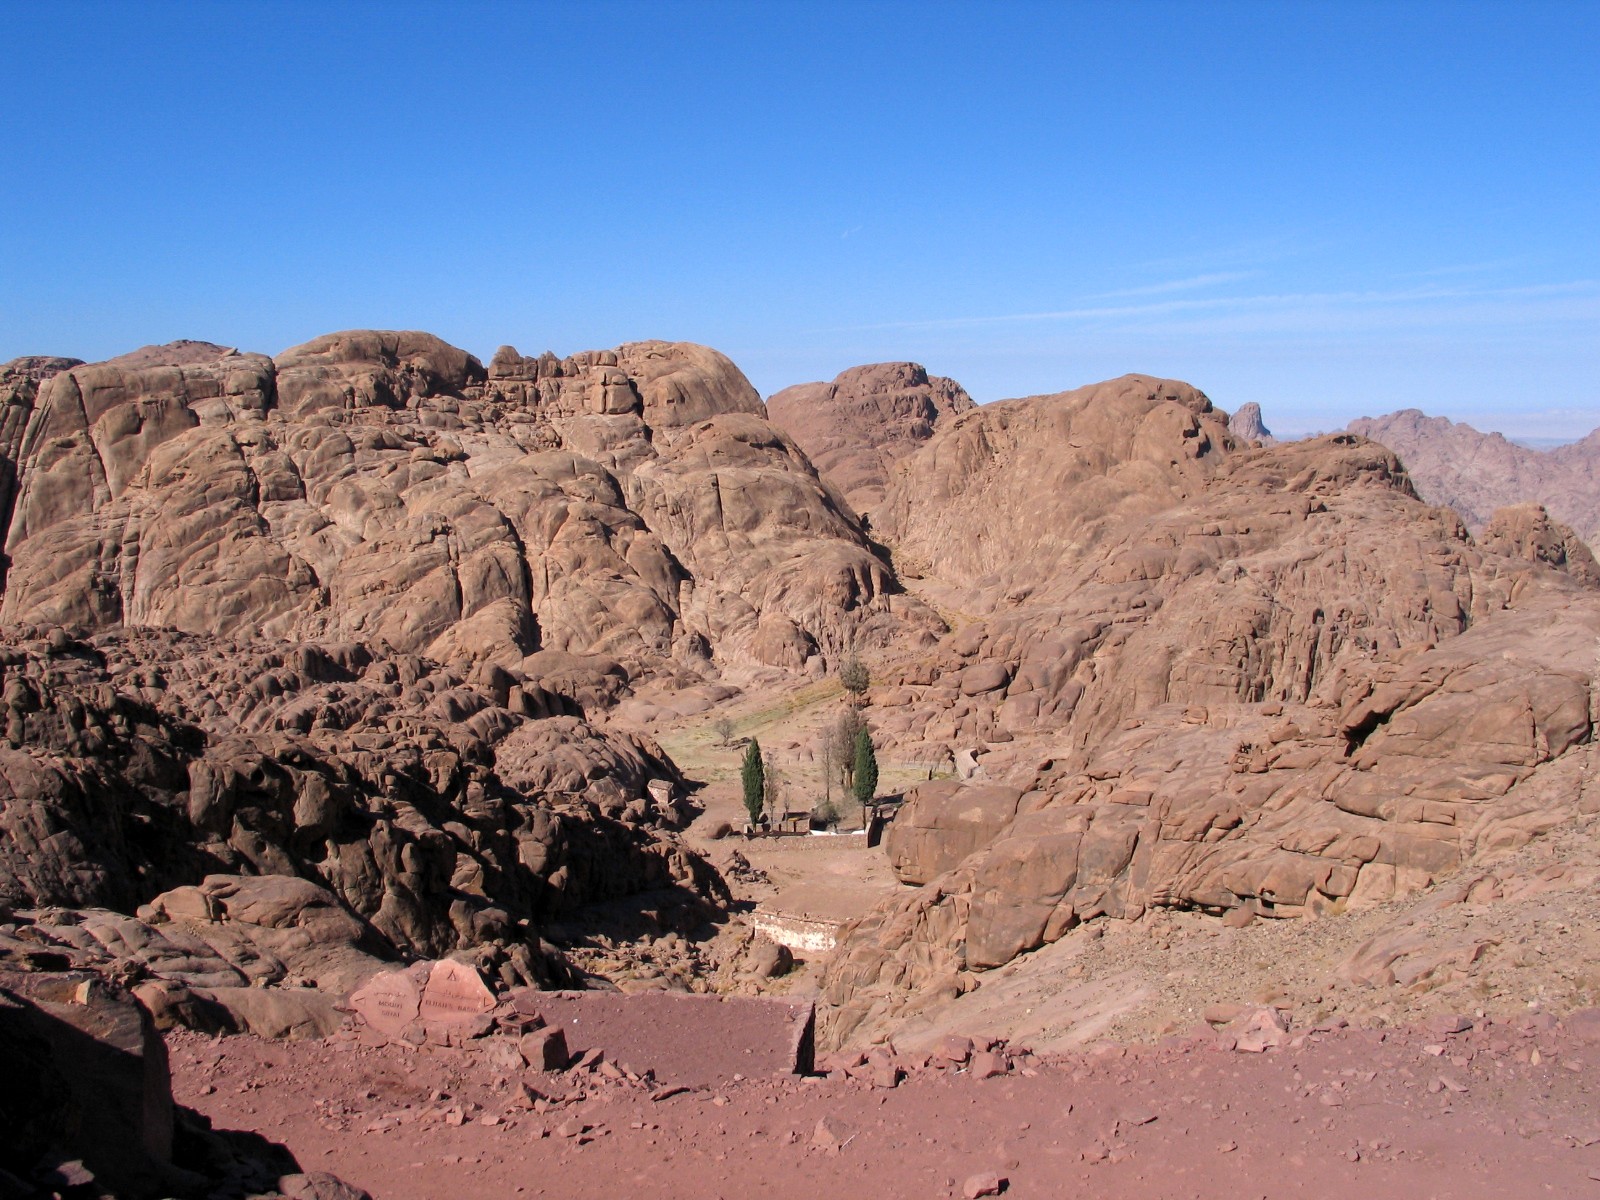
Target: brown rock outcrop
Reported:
point(1263, 678)
point(630, 504)
point(19, 389)
point(441, 814)
point(88, 1105)
point(91, 1085)
point(1475, 473)
point(857, 427)
point(1526, 531)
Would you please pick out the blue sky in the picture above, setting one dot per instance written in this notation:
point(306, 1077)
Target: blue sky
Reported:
point(1333, 210)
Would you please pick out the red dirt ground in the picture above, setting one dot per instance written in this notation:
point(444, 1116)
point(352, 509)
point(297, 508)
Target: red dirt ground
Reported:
point(1505, 1109)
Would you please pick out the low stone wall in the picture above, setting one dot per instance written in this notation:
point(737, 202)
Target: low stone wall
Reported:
point(684, 1038)
point(679, 1038)
point(806, 936)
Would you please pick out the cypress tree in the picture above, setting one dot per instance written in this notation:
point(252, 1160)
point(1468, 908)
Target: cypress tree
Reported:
point(866, 773)
point(754, 776)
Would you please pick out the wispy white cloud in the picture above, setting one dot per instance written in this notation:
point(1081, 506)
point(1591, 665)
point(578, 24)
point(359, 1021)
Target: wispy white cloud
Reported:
point(1473, 268)
point(1256, 251)
point(1194, 282)
point(1283, 309)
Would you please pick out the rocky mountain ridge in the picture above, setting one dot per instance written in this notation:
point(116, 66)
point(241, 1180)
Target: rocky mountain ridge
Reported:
point(371, 617)
point(628, 505)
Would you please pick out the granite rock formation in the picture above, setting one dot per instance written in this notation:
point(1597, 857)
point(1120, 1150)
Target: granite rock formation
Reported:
point(1247, 426)
point(153, 768)
point(1202, 675)
point(857, 427)
point(308, 661)
point(626, 506)
point(316, 662)
point(1526, 531)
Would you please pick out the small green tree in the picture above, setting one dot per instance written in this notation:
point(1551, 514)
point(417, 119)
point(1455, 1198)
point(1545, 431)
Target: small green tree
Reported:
point(853, 674)
point(866, 773)
point(753, 775)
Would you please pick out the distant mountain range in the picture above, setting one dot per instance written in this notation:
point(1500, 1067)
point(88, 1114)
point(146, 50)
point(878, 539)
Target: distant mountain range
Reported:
point(1475, 473)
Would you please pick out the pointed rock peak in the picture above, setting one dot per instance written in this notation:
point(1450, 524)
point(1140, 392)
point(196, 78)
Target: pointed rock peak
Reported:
point(1247, 424)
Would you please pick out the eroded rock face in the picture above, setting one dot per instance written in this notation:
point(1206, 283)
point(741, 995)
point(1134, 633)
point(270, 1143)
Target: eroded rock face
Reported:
point(857, 427)
point(1011, 493)
point(1209, 676)
point(630, 504)
point(1476, 473)
point(942, 823)
point(443, 814)
point(19, 390)
point(1526, 531)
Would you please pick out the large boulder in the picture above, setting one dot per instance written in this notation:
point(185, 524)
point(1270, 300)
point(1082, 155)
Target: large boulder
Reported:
point(941, 823)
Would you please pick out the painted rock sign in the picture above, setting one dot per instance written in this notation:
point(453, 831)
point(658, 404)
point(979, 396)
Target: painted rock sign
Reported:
point(454, 995)
point(388, 1002)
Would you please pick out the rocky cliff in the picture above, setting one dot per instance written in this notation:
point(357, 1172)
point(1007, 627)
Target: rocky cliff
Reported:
point(355, 616)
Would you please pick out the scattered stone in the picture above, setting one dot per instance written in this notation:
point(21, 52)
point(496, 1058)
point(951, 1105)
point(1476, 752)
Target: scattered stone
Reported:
point(318, 1185)
point(1266, 1029)
point(954, 1049)
point(1223, 1014)
point(830, 1134)
point(987, 1064)
point(987, 1183)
